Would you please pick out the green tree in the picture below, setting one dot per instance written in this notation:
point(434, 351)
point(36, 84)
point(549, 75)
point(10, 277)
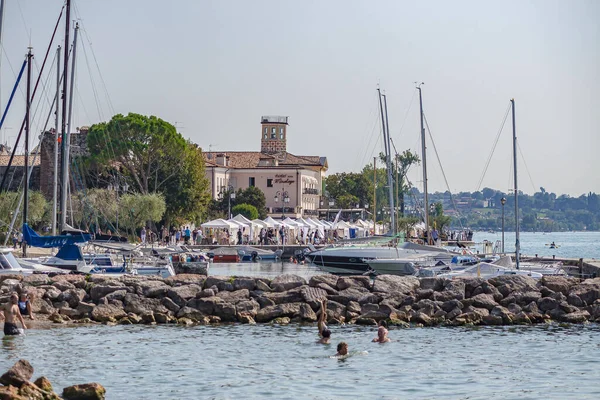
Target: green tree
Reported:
point(36, 211)
point(135, 210)
point(247, 210)
point(153, 158)
point(439, 219)
point(253, 196)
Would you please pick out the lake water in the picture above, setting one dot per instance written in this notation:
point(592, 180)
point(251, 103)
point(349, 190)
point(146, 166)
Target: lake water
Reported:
point(571, 244)
point(283, 362)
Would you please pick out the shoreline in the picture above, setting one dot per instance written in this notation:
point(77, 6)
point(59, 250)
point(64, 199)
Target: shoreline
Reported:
point(402, 301)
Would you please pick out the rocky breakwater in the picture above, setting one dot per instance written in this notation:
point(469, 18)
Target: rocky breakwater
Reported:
point(193, 299)
point(16, 386)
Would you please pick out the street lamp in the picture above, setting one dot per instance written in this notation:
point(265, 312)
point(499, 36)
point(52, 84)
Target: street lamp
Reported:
point(228, 190)
point(503, 201)
point(285, 198)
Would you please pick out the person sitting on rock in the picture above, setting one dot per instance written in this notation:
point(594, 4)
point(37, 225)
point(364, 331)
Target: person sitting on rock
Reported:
point(342, 349)
point(10, 314)
point(25, 305)
point(382, 333)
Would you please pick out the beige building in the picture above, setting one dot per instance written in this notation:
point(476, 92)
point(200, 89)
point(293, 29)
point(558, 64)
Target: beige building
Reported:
point(292, 184)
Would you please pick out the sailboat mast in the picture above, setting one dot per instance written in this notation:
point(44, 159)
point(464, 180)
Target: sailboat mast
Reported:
point(56, 119)
point(388, 159)
point(374, 195)
point(67, 147)
point(27, 129)
point(516, 188)
point(424, 156)
point(1, 28)
point(64, 159)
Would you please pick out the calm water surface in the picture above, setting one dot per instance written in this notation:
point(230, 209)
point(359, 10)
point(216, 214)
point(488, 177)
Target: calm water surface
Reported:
point(571, 244)
point(283, 362)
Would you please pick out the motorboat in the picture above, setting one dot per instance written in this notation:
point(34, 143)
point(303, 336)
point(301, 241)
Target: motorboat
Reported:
point(9, 264)
point(249, 253)
point(227, 254)
point(355, 259)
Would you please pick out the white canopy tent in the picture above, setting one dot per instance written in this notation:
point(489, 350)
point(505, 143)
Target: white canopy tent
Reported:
point(219, 231)
point(253, 226)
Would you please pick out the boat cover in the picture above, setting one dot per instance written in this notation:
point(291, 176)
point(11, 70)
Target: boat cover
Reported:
point(35, 240)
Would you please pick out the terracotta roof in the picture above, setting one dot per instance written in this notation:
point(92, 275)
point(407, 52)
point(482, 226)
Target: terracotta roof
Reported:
point(19, 161)
point(250, 159)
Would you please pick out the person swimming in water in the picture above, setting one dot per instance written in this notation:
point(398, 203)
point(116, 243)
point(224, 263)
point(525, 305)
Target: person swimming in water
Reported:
point(342, 349)
point(25, 305)
point(324, 331)
point(382, 333)
point(10, 313)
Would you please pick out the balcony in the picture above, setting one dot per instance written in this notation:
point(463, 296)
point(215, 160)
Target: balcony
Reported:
point(311, 191)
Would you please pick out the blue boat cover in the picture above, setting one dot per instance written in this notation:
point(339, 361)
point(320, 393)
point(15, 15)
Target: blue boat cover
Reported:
point(35, 240)
point(70, 252)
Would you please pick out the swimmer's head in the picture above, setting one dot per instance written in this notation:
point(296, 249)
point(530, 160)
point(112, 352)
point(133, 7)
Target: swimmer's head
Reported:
point(342, 348)
point(326, 333)
point(383, 323)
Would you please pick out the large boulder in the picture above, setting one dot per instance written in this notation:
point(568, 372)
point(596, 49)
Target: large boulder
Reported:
point(52, 293)
point(286, 282)
point(217, 281)
point(557, 283)
point(354, 293)
point(107, 313)
point(141, 305)
point(374, 311)
point(86, 391)
point(181, 294)
point(329, 280)
point(575, 317)
point(18, 374)
point(521, 298)
point(37, 280)
point(360, 282)
point(235, 296)
point(99, 291)
point(244, 283)
point(588, 291)
point(171, 305)
point(546, 304)
point(507, 284)
point(395, 284)
point(289, 296)
point(249, 307)
point(280, 310)
point(307, 313)
point(205, 305)
point(434, 283)
point(313, 296)
point(225, 311)
point(190, 313)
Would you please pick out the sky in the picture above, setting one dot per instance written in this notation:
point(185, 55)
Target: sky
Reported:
point(213, 68)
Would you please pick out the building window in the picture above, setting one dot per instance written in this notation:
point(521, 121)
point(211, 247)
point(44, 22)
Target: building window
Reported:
point(269, 182)
point(251, 181)
point(281, 133)
point(273, 133)
point(266, 136)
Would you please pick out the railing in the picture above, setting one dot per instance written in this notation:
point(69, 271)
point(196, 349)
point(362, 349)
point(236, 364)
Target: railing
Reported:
point(311, 191)
point(311, 212)
point(265, 119)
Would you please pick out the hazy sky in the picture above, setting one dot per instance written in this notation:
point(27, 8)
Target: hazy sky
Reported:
point(214, 67)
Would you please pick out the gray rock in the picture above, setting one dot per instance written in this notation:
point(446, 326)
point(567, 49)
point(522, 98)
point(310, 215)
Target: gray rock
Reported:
point(369, 298)
point(225, 286)
point(515, 308)
point(225, 311)
point(484, 301)
point(248, 307)
point(546, 304)
point(521, 298)
point(286, 282)
point(191, 313)
point(101, 290)
point(264, 302)
point(362, 282)
point(181, 294)
point(575, 300)
point(141, 305)
point(280, 310)
point(436, 284)
point(587, 292)
point(396, 284)
point(261, 285)
point(214, 280)
point(531, 308)
point(451, 305)
point(18, 374)
point(244, 283)
point(507, 316)
point(455, 312)
point(575, 317)
point(424, 294)
point(335, 310)
point(471, 284)
point(522, 319)
point(206, 293)
point(313, 295)
point(566, 307)
point(307, 313)
point(329, 280)
point(107, 313)
point(205, 305)
point(52, 293)
point(353, 307)
point(492, 320)
point(85, 308)
point(289, 296)
point(557, 283)
point(326, 288)
point(63, 285)
point(170, 305)
point(507, 284)
point(116, 295)
point(235, 296)
point(72, 296)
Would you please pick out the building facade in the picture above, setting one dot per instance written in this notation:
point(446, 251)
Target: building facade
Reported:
point(292, 184)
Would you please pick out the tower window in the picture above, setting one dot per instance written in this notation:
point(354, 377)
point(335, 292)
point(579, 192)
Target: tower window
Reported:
point(273, 133)
point(281, 133)
point(251, 181)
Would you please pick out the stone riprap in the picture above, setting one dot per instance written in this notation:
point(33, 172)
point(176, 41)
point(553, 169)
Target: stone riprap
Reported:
point(16, 385)
point(195, 299)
